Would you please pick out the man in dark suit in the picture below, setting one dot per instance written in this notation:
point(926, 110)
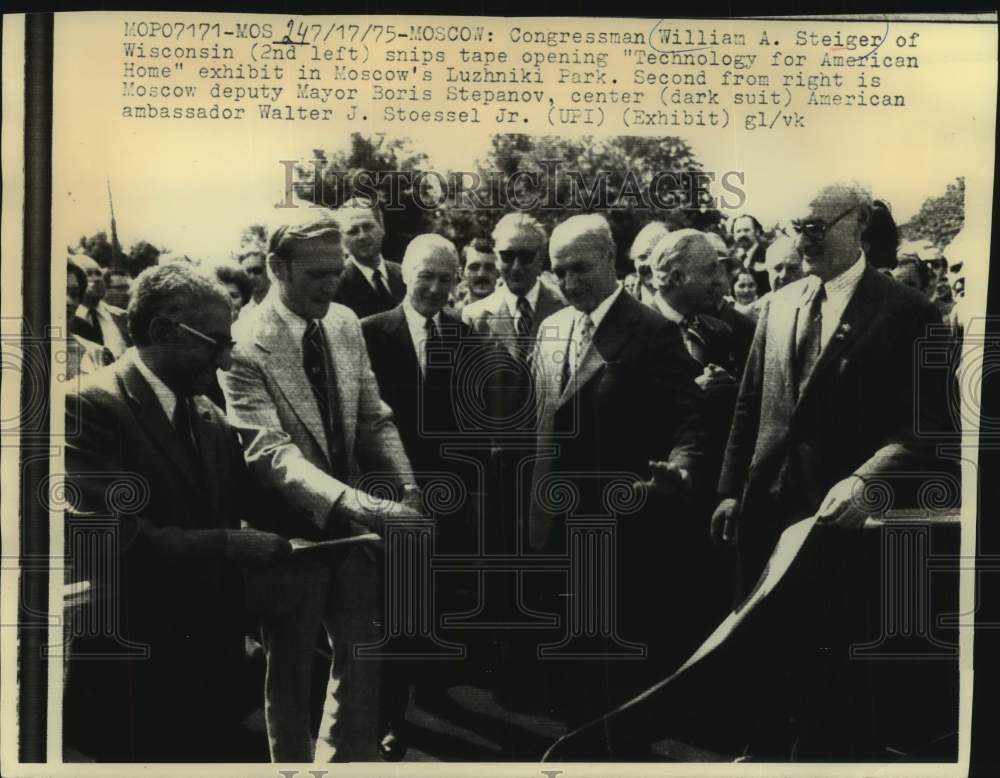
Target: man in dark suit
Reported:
point(95, 320)
point(179, 548)
point(831, 400)
point(616, 398)
point(414, 350)
point(370, 284)
point(303, 397)
point(748, 238)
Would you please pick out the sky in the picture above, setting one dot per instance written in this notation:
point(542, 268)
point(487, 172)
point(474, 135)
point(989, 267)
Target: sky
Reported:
point(192, 187)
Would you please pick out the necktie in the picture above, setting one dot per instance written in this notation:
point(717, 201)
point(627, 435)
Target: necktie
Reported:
point(522, 325)
point(381, 291)
point(580, 338)
point(185, 431)
point(314, 364)
point(808, 338)
point(696, 341)
point(432, 341)
point(96, 323)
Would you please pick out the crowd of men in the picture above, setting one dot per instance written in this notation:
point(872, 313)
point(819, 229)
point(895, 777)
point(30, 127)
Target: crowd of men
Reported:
point(316, 392)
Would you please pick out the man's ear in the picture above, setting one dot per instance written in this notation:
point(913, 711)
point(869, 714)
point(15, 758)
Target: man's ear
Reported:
point(160, 330)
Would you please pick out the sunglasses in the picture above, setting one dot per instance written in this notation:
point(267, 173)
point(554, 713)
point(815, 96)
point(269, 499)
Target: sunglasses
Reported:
point(254, 271)
point(218, 347)
point(815, 229)
point(527, 256)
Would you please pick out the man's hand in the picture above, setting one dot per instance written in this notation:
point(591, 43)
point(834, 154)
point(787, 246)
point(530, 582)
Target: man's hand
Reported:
point(840, 507)
point(714, 378)
point(255, 548)
point(725, 527)
point(371, 512)
point(667, 479)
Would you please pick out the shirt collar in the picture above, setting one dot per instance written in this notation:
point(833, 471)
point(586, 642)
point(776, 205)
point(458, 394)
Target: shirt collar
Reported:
point(597, 315)
point(295, 323)
point(845, 284)
point(168, 400)
point(369, 273)
point(415, 319)
point(668, 310)
point(531, 296)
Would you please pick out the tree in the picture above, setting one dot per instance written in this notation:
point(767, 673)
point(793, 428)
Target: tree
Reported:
point(552, 178)
point(97, 247)
point(939, 219)
point(140, 256)
point(373, 167)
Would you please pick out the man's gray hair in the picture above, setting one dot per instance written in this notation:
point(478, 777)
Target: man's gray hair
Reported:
point(518, 220)
point(646, 240)
point(177, 291)
point(676, 249)
point(425, 245)
point(591, 225)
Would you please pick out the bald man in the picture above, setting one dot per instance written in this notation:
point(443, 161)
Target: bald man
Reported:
point(616, 400)
point(833, 395)
point(95, 320)
point(415, 349)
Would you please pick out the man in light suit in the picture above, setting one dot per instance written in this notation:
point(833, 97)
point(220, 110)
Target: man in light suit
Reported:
point(302, 394)
point(832, 399)
point(179, 545)
point(617, 397)
point(371, 284)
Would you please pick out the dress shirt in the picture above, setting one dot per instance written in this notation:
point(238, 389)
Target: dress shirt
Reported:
point(839, 291)
point(168, 400)
point(295, 323)
point(531, 295)
point(369, 272)
point(417, 324)
point(113, 339)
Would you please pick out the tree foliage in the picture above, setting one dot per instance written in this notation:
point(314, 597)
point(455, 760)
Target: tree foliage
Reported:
point(939, 219)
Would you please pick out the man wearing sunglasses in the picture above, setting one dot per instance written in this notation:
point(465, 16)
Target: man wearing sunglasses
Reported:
point(180, 548)
point(832, 398)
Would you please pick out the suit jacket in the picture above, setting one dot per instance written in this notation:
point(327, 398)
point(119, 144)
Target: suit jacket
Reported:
point(634, 400)
point(357, 294)
point(491, 316)
point(270, 401)
point(857, 414)
point(82, 327)
point(174, 592)
point(422, 404)
point(755, 264)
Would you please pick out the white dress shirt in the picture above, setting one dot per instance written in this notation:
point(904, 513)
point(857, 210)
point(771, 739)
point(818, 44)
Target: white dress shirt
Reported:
point(113, 340)
point(531, 296)
point(839, 291)
point(369, 272)
point(417, 324)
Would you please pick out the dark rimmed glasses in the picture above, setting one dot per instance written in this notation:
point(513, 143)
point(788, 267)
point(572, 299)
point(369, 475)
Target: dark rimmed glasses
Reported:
point(815, 229)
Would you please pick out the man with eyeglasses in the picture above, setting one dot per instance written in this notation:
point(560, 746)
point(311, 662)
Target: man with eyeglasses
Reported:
point(832, 398)
point(302, 394)
point(178, 551)
point(371, 284)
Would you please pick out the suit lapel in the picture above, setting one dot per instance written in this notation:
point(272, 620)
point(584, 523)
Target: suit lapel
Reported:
point(345, 388)
point(399, 334)
point(396, 286)
point(153, 419)
point(861, 309)
point(609, 338)
point(211, 440)
point(285, 362)
point(503, 327)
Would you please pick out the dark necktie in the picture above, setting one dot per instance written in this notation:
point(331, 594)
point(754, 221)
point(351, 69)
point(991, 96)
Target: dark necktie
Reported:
point(808, 338)
point(185, 431)
point(314, 364)
point(381, 291)
point(96, 324)
point(432, 342)
point(523, 327)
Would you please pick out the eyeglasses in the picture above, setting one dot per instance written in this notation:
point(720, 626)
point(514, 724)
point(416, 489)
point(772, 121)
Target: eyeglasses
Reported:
point(218, 347)
point(509, 256)
point(815, 229)
point(254, 270)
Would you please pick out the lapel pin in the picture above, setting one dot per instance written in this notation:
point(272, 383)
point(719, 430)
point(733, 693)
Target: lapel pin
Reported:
point(843, 331)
